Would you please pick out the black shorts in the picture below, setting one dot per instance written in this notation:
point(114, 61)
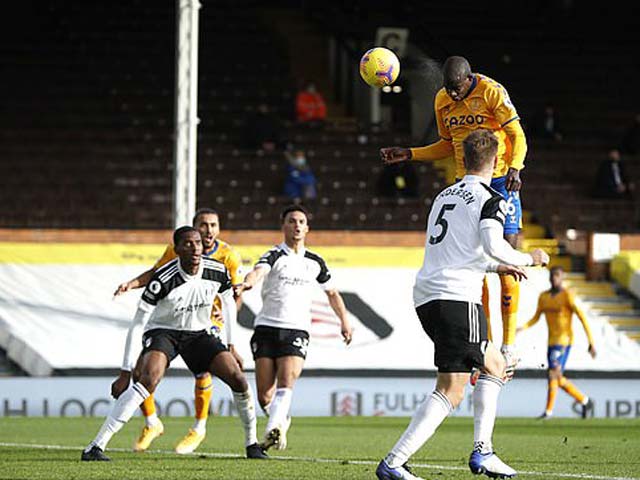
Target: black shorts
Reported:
point(459, 333)
point(197, 349)
point(272, 342)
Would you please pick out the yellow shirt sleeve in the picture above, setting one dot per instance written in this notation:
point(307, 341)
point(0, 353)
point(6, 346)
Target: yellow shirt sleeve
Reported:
point(435, 151)
point(518, 144)
point(536, 316)
point(168, 255)
point(505, 113)
point(233, 262)
point(583, 319)
point(441, 149)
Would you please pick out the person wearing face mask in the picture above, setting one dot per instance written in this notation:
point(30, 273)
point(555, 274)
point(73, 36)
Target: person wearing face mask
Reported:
point(300, 183)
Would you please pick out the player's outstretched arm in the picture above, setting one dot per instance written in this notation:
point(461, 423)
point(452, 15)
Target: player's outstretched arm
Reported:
point(338, 307)
point(140, 281)
point(519, 150)
point(391, 155)
point(518, 273)
point(250, 280)
point(534, 319)
point(585, 324)
point(230, 317)
point(497, 247)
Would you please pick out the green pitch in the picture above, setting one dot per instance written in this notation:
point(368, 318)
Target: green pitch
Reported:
point(320, 448)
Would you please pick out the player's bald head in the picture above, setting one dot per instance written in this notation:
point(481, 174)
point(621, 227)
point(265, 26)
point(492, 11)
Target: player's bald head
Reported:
point(455, 71)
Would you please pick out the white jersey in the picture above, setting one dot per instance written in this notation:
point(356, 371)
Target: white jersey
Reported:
point(288, 287)
point(175, 300)
point(464, 219)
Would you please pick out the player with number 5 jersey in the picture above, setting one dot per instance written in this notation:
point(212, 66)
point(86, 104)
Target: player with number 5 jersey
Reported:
point(463, 242)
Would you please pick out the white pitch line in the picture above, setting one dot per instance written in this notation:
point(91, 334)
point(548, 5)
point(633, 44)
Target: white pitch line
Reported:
point(582, 476)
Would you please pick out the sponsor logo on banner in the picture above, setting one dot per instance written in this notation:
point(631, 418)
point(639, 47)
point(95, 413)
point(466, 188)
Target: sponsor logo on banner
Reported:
point(346, 403)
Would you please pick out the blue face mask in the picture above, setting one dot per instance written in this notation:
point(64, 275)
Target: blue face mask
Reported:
point(299, 162)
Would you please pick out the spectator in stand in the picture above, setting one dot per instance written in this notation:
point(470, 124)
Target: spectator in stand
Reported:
point(398, 180)
point(611, 181)
point(547, 125)
point(310, 106)
point(300, 183)
point(264, 129)
point(631, 139)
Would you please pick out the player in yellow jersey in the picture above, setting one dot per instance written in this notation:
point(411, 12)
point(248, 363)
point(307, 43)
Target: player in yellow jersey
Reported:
point(207, 222)
point(558, 306)
point(469, 101)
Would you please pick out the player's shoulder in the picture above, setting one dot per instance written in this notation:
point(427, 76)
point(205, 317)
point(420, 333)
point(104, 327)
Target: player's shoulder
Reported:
point(224, 251)
point(224, 247)
point(214, 270)
point(166, 271)
point(442, 99)
point(488, 191)
point(163, 281)
point(213, 264)
point(272, 255)
point(313, 256)
point(486, 83)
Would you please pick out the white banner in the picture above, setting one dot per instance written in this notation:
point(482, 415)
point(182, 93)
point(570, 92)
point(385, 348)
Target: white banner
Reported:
point(313, 396)
point(56, 318)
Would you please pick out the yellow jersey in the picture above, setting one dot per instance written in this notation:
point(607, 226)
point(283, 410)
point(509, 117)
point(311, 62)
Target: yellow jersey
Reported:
point(221, 251)
point(487, 105)
point(558, 310)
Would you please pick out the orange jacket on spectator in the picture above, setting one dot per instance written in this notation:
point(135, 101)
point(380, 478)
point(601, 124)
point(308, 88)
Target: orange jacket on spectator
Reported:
point(310, 106)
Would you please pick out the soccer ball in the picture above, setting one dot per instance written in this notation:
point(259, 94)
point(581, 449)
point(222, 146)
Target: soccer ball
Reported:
point(379, 67)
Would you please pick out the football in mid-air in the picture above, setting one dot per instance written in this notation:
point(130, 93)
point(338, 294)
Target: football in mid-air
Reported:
point(379, 67)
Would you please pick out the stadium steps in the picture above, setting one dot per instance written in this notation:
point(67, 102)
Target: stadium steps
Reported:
point(603, 300)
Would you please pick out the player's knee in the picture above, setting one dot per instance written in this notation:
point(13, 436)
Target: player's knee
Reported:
point(149, 380)
point(264, 398)
point(238, 382)
point(455, 394)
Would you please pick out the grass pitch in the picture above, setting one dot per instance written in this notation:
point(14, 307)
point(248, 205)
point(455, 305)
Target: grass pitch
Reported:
point(320, 448)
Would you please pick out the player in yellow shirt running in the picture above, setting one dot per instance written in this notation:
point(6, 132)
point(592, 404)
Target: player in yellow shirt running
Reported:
point(558, 306)
point(207, 222)
point(467, 102)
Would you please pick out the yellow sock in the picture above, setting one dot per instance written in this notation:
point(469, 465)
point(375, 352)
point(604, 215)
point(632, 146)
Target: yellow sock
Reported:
point(551, 395)
point(203, 391)
point(571, 389)
point(509, 308)
point(485, 307)
point(148, 407)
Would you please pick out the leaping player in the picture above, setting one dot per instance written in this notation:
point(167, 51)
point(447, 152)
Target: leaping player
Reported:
point(470, 101)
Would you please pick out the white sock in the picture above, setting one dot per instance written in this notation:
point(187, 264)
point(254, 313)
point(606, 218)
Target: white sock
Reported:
point(430, 414)
point(585, 401)
point(151, 420)
point(200, 425)
point(485, 405)
point(247, 412)
point(266, 408)
point(279, 408)
point(122, 411)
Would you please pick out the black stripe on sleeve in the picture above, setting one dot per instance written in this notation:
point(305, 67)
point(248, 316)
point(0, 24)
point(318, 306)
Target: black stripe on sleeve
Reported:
point(495, 208)
point(509, 121)
point(271, 257)
point(324, 276)
point(218, 275)
point(157, 289)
